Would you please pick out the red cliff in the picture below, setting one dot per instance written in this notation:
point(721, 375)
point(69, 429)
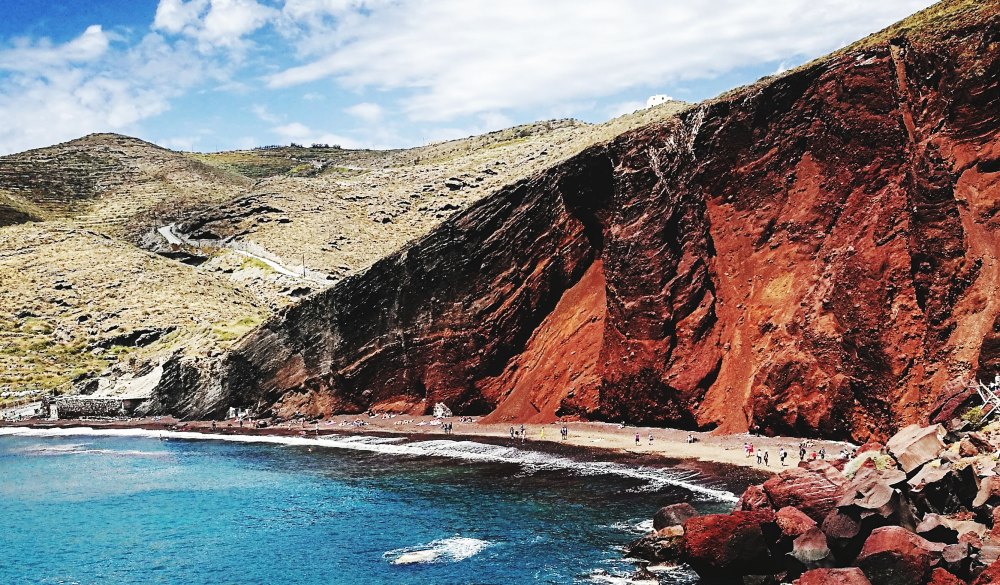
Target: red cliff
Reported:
point(816, 254)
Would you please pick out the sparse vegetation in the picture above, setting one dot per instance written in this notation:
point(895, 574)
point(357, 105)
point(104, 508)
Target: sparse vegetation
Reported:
point(235, 330)
point(974, 416)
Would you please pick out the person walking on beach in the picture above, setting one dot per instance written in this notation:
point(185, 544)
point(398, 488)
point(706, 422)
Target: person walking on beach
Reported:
point(765, 458)
point(746, 450)
point(802, 452)
point(541, 436)
point(782, 454)
point(759, 458)
point(522, 430)
point(511, 432)
point(651, 439)
point(637, 437)
point(822, 452)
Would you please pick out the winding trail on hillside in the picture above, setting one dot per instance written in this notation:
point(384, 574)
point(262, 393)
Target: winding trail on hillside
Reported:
point(168, 233)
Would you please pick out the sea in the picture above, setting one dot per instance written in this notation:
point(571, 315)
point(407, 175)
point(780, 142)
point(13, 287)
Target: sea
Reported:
point(82, 506)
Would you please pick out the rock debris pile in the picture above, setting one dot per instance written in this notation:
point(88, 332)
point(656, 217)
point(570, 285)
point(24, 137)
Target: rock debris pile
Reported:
point(920, 509)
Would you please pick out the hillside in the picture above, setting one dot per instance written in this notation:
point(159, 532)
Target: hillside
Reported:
point(815, 254)
point(92, 280)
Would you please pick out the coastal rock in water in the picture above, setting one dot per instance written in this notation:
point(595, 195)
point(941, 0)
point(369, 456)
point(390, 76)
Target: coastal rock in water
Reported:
point(813, 489)
point(989, 576)
point(848, 576)
point(727, 545)
point(895, 556)
point(673, 515)
point(915, 445)
point(662, 546)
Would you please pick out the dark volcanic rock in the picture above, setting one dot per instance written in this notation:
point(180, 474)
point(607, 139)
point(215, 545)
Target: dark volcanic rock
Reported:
point(673, 515)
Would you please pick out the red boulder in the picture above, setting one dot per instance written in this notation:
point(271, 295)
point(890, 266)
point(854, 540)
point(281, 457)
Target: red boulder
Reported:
point(753, 498)
point(941, 577)
point(815, 490)
point(727, 545)
point(895, 556)
point(849, 576)
point(792, 522)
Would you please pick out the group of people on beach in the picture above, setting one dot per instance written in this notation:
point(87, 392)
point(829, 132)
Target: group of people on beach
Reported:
point(807, 451)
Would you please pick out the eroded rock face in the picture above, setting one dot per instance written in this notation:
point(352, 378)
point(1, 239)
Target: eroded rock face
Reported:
point(813, 255)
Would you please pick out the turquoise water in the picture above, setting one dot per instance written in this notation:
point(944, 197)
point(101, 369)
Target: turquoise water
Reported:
point(110, 509)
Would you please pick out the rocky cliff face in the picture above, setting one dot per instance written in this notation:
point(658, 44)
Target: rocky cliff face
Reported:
point(815, 254)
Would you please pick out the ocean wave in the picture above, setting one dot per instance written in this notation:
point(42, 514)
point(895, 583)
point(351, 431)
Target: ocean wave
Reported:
point(84, 449)
point(635, 526)
point(445, 550)
point(651, 478)
point(602, 576)
point(672, 574)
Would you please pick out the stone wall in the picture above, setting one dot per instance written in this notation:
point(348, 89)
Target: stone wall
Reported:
point(84, 406)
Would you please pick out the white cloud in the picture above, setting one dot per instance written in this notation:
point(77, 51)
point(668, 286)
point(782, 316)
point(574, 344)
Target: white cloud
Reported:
point(213, 23)
point(90, 45)
point(301, 134)
point(86, 86)
point(459, 58)
point(182, 143)
point(367, 111)
point(622, 108)
point(264, 114)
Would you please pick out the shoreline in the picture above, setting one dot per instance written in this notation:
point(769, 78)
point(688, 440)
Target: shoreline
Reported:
point(669, 446)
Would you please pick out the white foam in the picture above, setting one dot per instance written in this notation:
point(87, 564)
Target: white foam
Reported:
point(602, 576)
point(445, 550)
point(651, 478)
point(635, 526)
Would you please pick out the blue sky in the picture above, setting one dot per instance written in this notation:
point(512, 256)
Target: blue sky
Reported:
point(212, 75)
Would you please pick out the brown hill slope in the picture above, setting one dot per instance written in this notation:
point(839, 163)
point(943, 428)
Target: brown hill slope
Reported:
point(815, 254)
point(78, 293)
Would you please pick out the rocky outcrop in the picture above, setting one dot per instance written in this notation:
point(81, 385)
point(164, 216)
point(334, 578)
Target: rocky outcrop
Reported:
point(881, 530)
point(812, 255)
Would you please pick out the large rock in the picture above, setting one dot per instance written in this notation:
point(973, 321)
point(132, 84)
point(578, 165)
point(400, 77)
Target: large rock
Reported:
point(724, 545)
point(814, 490)
point(915, 445)
point(940, 576)
point(989, 492)
point(947, 530)
point(753, 498)
point(895, 556)
point(811, 550)
point(673, 515)
point(662, 546)
point(793, 522)
point(990, 576)
point(848, 576)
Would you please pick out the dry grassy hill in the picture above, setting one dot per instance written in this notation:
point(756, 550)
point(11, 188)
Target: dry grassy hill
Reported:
point(90, 281)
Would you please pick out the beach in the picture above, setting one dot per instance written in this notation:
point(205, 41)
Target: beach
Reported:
point(671, 444)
